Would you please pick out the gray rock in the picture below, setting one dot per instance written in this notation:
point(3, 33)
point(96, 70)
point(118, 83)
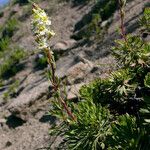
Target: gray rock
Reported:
point(2, 121)
point(17, 105)
point(105, 23)
point(77, 73)
point(62, 46)
point(73, 91)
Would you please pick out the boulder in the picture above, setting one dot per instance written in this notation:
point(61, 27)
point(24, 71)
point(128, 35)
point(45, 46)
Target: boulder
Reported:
point(19, 106)
point(62, 46)
point(73, 91)
point(77, 73)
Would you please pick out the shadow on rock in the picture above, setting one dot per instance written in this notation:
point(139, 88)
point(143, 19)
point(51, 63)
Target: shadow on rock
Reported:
point(14, 122)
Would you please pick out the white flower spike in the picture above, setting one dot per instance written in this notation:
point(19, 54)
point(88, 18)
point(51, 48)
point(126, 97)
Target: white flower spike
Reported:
point(41, 27)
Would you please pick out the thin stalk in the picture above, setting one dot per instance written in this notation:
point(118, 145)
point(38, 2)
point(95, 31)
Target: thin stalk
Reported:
point(55, 84)
point(122, 22)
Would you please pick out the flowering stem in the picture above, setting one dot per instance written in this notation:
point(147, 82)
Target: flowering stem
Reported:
point(43, 33)
point(51, 62)
point(67, 109)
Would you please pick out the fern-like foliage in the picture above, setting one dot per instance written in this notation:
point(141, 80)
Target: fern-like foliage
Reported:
point(97, 91)
point(134, 54)
point(147, 80)
point(121, 85)
point(126, 134)
point(90, 130)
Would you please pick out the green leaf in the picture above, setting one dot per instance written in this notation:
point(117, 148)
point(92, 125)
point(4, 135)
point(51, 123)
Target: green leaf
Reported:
point(147, 120)
point(147, 80)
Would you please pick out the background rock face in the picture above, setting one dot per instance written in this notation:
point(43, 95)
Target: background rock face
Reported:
point(24, 122)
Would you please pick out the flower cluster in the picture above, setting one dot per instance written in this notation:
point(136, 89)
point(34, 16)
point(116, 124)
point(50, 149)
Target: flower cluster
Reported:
point(41, 27)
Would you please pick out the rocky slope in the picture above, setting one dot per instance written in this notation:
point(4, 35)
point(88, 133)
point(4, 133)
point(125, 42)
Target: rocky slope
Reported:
point(24, 122)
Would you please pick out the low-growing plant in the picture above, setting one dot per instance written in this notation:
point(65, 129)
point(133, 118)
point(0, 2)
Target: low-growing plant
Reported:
point(4, 43)
point(10, 28)
point(10, 65)
point(130, 82)
point(145, 110)
point(93, 28)
point(145, 20)
point(12, 90)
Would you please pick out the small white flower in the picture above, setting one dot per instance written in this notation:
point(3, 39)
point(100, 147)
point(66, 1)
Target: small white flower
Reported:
point(48, 23)
point(43, 45)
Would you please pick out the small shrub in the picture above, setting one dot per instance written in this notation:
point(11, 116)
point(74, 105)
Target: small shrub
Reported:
point(145, 20)
point(10, 28)
point(11, 64)
point(4, 43)
point(12, 90)
point(108, 9)
point(130, 84)
point(91, 29)
point(134, 55)
point(117, 87)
